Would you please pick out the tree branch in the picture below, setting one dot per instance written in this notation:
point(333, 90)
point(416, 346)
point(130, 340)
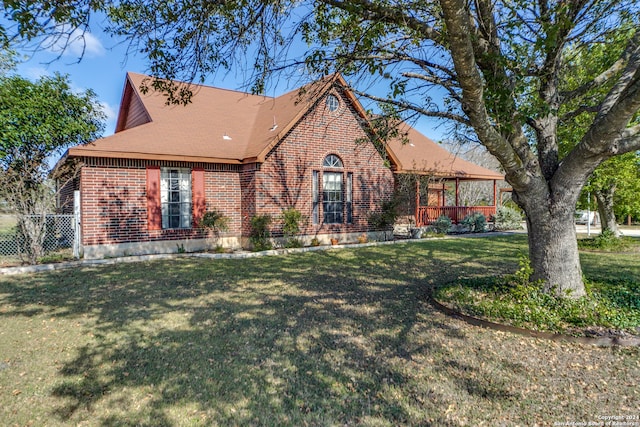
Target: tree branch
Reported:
point(407, 106)
point(606, 75)
point(581, 109)
point(608, 135)
point(449, 86)
point(629, 141)
point(388, 14)
point(511, 149)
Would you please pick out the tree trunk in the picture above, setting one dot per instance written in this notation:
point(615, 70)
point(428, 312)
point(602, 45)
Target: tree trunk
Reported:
point(605, 209)
point(553, 251)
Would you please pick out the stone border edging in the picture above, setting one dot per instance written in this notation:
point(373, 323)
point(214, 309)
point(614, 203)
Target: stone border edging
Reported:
point(237, 255)
point(596, 341)
point(142, 258)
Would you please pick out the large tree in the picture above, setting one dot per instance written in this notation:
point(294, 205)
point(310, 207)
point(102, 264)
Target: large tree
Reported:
point(614, 183)
point(492, 67)
point(37, 120)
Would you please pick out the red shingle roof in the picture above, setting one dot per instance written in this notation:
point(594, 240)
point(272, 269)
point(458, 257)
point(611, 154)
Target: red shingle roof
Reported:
point(423, 156)
point(217, 126)
point(225, 126)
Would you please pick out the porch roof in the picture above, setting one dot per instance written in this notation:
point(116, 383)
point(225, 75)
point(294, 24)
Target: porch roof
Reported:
point(420, 155)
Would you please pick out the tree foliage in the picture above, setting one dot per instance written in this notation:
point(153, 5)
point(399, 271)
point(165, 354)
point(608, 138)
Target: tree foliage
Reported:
point(37, 120)
point(496, 70)
point(614, 183)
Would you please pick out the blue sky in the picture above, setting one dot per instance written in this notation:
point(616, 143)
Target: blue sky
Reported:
point(105, 62)
point(102, 68)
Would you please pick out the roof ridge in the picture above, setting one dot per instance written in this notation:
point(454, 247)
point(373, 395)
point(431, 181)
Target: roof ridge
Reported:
point(207, 86)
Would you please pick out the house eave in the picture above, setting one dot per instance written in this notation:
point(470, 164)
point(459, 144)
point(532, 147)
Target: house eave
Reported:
point(80, 152)
point(453, 175)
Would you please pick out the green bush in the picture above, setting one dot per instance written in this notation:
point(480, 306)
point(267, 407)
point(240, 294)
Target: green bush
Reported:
point(260, 236)
point(515, 300)
point(607, 242)
point(508, 218)
point(292, 220)
point(475, 222)
point(293, 243)
point(442, 225)
point(214, 220)
point(386, 218)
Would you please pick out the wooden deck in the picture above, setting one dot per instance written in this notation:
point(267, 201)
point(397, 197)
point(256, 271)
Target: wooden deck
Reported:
point(428, 214)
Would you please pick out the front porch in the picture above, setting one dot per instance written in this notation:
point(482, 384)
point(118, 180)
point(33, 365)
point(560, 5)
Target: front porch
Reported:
point(423, 167)
point(436, 205)
point(426, 215)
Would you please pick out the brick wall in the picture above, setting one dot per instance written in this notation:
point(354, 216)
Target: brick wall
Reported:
point(285, 178)
point(248, 185)
point(65, 194)
point(114, 204)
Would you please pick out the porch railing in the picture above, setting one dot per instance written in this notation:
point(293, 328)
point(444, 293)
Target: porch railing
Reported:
point(428, 214)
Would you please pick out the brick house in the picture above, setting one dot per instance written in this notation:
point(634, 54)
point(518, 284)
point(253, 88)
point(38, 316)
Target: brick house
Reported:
point(144, 189)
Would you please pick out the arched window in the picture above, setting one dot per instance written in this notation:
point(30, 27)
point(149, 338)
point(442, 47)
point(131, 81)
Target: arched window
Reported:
point(332, 190)
point(332, 161)
point(335, 197)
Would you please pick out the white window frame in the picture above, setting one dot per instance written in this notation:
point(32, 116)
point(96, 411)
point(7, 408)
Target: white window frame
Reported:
point(175, 198)
point(333, 103)
point(333, 197)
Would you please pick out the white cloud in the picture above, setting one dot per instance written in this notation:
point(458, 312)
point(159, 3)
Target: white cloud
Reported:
point(79, 43)
point(112, 117)
point(34, 73)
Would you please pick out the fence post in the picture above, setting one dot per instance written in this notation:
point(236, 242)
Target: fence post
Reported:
point(76, 224)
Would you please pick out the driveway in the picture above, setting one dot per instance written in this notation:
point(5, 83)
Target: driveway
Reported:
point(595, 229)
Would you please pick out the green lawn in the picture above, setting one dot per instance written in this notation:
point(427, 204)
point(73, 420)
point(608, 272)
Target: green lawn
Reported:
point(339, 337)
point(7, 223)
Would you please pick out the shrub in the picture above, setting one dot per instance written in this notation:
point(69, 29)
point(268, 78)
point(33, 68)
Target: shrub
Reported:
point(606, 241)
point(515, 300)
point(386, 218)
point(522, 277)
point(475, 222)
point(291, 222)
point(260, 236)
point(215, 221)
point(293, 243)
point(508, 218)
point(442, 225)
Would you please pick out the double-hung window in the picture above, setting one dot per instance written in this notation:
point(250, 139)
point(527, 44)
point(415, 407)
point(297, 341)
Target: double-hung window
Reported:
point(337, 194)
point(334, 192)
point(175, 197)
point(349, 198)
point(332, 197)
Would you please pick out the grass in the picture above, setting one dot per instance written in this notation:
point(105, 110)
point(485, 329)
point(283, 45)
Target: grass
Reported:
point(339, 337)
point(611, 306)
point(7, 223)
point(607, 242)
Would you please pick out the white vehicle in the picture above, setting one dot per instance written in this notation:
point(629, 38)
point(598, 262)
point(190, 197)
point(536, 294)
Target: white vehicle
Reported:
point(582, 217)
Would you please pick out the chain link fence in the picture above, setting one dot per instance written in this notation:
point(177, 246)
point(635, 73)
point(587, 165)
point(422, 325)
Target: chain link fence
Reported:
point(61, 236)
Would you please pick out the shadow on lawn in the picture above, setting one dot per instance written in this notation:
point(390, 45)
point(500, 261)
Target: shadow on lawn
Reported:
point(317, 338)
